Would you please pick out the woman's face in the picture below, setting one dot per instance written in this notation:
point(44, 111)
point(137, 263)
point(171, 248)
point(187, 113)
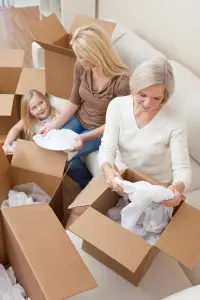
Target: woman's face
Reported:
point(86, 63)
point(150, 99)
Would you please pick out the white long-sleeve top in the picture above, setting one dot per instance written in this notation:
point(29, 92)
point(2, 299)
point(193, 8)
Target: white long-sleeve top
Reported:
point(158, 149)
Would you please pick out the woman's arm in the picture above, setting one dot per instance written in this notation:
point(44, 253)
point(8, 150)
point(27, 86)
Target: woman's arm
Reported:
point(109, 144)
point(93, 133)
point(66, 114)
point(13, 133)
point(182, 174)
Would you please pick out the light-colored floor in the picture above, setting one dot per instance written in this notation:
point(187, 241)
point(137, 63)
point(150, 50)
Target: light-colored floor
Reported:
point(14, 29)
point(163, 278)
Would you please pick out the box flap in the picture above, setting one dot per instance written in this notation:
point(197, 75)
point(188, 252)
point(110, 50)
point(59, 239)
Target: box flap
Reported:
point(57, 49)
point(44, 259)
point(5, 177)
point(48, 30)
point(33, 158)
point(2, 138)
point(81, 20)
point(11, 57)
point(64, 66)
point(6, 105)
point(3, 163)
point(31, 79)
point(105, 234)
point(180, 239)
point(96, 187)
point(9, 86)
point(2, 249)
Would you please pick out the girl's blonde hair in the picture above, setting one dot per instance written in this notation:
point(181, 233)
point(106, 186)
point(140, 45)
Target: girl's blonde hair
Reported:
point(151, 72)
point(28, 120)
point(92, 43)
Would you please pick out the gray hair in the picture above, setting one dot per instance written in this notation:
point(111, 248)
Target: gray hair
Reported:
point(151, 72)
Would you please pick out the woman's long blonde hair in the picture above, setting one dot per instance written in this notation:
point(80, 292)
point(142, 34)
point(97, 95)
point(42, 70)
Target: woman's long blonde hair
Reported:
point(28, 120)
point(92, 43)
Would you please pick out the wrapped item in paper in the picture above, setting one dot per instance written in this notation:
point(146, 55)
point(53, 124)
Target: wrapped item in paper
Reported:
point(9, 288)
point(25, 194)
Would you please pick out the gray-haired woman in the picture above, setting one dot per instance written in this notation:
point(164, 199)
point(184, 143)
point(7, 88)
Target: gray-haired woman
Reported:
point(150, 135)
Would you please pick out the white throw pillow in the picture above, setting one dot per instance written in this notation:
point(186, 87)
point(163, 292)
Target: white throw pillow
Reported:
point(186, 100)
point(132, 49)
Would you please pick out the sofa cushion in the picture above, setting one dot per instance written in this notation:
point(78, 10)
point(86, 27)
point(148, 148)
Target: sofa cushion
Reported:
point(195, 184)
point(186, 100)
point(131, 48)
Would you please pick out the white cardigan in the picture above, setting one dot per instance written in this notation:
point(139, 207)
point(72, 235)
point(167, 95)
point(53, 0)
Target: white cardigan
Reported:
point(159, 149)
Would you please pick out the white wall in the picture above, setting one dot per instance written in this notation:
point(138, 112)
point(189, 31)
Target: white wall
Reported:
point(172, 26)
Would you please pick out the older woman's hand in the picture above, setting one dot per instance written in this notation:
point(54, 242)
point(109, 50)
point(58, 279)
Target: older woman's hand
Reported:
point(109, 174)
point(176, 200)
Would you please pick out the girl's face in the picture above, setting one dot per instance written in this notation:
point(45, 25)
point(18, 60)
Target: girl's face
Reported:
point(39, 108)
point(150, 99)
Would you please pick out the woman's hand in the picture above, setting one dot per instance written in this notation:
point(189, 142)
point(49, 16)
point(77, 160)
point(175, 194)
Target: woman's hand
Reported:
point(80, 142)
point(176, 200)
point(48, 127)
point(109, 174)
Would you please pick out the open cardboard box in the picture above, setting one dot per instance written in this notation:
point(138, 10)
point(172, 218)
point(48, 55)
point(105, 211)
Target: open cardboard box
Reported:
point(59, 56)
point(14, 82)
point(31, 163)
point(122, 251)
point(32, 239)
point(44, 259)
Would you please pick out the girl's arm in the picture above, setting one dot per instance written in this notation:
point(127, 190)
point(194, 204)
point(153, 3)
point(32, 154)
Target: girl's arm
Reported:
point(14, 133)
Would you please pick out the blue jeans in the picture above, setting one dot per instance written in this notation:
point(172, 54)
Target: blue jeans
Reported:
point(78, 170)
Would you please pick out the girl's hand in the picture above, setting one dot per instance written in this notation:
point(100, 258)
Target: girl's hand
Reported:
point(176, 200)
point(8, 150)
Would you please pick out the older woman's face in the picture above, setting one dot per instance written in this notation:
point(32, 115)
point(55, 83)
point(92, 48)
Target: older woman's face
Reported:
point(150, 99)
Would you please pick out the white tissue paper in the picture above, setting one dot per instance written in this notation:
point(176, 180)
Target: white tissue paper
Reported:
point(9, 288)
point(145, 216)
point(58, 140)
point(24, 194)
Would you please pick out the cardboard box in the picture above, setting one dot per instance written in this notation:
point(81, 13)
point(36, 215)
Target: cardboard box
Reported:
point(32, 240)
point(31, 163)
point(59, 56)
point(121, 250)
point(14, 82)
point(44, 259)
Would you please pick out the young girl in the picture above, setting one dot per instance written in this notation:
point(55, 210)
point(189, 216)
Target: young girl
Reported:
point(36, 112)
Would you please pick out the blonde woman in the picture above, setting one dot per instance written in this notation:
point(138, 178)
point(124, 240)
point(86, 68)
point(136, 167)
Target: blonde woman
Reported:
point(99, 77)
point(36, 111)
point(150, 135)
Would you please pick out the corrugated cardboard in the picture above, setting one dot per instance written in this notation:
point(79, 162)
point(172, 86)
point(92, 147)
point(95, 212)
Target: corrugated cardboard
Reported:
point(33, 164)
point(59, 56)
point(44, 259)
point(122, 251)
point(14, 82)
point(31, 79)
point(31, 239)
